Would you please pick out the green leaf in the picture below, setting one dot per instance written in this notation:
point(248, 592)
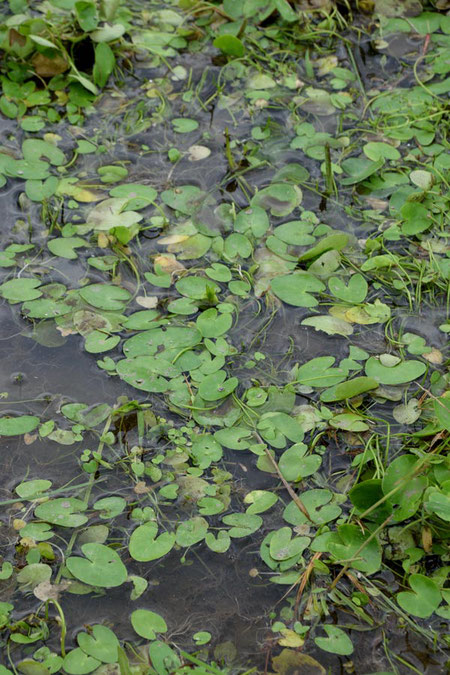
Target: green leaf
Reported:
point(101, 567)
point(147, 623)
point(349, 389)
point(242, 524)
point(33, 488)
point(283, 546)
point(216, 386)
point(86, 13)
point(190, 532)
point(145, 545)
point(355, 292)
point(229, 45)
point(105, 296)
point(336, 642)
point(400, 475)
point(77, 662)
point(406, 371)
point(101, 644)
point(104, 64)
point(20, 290)
point(15, 426)
point(184, 125)
point(64, 247)
point(64, 511)
point(424, 598)
point(296, 289)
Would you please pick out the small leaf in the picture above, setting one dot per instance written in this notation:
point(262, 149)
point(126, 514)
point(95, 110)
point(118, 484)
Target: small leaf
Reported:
point(147, 623)
point(337, 641)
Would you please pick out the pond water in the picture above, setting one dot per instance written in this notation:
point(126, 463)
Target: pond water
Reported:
point(224, 406)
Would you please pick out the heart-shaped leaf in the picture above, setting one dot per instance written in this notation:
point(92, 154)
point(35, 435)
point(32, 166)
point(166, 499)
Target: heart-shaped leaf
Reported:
point(147, 623)
point(101, 567)
point(101, 644)
point(145, 545)
point(296, 289)
point(355, 292)
point(337, 641)
point(424, 598)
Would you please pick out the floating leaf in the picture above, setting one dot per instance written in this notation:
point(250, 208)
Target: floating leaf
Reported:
point(101, 567)
point(329, 324)
point(15, 426)
point(336, 642)
point(406, 371)
point(296, 289)
point(101, 643)
point(145, 545)
point(423, 599)
point(147, 623)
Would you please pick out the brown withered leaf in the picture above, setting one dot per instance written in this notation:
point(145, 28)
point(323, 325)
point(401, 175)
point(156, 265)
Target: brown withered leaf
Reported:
point(46, 67)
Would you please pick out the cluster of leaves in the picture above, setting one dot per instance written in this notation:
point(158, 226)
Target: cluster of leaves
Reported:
point(177, 324)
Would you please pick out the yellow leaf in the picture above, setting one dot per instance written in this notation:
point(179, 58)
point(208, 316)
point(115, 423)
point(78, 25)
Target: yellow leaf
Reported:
point(435, 356)
point(290, 639)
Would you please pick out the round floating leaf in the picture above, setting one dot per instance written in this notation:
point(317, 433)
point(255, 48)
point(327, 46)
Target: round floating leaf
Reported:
point(234, 438)
point(64, 511)
point(145, 545)
point(101, 644)
point(15, 426)
point(184, 125)
point(105, 296)
point(190, 532)
point(110, 507)
point(337, 641)
point(205, 450)
point(424, 598)
point(31, 489)
point(296, 289)
point(186, 199)
point(280, 198)
point(35, 148)
point(406, 371)
point(283, 546)
point(163, 659)
point(77, 662)
point(211, 324)
point(101, 567)
point(260, 501)
point(98, 342)
point(32, 575)
point(252, 220)
point(319, 506)
point(355, 292)
point(144, 373)
point(295, 466)
point(242, 524)
point(216, 386)
point(20, 290)
point(295, 233)
point(196, 288)
point(64, 247)
point(147, 623)
point(219, 544)
point(167, 341)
